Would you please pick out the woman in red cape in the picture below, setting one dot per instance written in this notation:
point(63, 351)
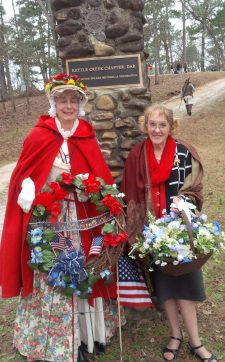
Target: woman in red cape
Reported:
point(159, 171)
point(50, 326)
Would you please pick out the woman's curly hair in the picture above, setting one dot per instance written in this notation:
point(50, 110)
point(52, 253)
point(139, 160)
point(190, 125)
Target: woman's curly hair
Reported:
point(161, 110)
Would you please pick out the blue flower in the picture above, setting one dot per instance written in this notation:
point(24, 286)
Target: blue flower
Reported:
point(67, 264)
point(73, 285)
point(60, 283)
point(36, 232)
point(36, 256)
point(194, 226)
point(77, 292)
point(186, 260)
point(150, 241)
point(173, 215)
point(54, 274)
point(174, 248)
point(216, 228)
point(105, 274)
point(166, 218)
point(36, 236)
point(36, 240)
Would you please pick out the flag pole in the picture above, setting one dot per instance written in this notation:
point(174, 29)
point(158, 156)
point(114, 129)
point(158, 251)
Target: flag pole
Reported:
point(119, 314)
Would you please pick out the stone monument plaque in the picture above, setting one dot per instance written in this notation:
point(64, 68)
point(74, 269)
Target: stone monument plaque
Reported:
point(108, 72)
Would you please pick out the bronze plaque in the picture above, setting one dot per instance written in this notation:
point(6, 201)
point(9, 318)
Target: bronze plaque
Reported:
point(108, 72)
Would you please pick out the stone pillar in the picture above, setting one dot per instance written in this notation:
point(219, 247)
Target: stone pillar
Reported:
point(100, 28)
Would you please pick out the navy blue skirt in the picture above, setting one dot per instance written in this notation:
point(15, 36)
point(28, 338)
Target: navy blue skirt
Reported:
point(188, 286)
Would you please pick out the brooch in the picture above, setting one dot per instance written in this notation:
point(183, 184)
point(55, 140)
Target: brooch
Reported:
point(176, 161)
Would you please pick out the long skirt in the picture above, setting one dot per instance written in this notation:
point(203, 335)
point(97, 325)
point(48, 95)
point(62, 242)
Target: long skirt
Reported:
point(50, 326)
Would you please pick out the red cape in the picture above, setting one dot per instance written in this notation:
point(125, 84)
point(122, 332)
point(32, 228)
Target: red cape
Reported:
point(39, 151)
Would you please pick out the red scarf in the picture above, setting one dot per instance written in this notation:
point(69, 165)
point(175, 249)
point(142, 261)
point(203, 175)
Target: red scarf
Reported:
point(160, 172)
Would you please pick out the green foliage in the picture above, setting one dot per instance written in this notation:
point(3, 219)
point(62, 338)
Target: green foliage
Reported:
point(108, 229)
point(29, 41)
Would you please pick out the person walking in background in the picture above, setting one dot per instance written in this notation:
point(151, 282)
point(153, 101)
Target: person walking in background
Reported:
point(187, 92)
point(158, 171)
point(50, 325)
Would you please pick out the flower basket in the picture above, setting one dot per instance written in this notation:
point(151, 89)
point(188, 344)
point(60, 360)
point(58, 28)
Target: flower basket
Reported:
point(186, 267)
point(176, 245)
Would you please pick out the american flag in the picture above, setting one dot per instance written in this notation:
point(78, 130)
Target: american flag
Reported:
point(133, 291)
point(96, 245)
point(58, 242)
point(61, 242)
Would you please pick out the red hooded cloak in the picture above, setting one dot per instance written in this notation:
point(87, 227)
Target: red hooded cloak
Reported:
point(38, 154)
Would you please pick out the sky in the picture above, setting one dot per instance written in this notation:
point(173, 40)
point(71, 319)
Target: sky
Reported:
point(7, 4)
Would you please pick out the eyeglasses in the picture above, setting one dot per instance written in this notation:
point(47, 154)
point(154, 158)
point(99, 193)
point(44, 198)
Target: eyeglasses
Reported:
point(161, 126)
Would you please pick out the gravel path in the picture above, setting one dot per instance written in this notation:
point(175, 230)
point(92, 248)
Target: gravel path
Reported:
point(203, 96)
point(5, 173)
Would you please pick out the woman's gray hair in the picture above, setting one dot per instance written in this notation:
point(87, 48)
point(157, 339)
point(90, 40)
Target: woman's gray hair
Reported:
point(162, 110)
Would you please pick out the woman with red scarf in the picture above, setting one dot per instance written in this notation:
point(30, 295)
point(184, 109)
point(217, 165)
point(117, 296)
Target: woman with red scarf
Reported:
point(160, 171)
point(50, 326)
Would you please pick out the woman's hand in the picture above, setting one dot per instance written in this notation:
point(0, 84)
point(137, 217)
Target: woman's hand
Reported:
point(27, 195)
point(175, 204)
point(178, 205)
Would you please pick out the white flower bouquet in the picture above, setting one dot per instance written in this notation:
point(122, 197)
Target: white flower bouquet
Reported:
point(171, 247)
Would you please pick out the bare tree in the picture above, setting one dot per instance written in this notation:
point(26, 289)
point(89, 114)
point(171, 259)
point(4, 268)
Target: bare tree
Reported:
point(204, 11)
point(6, 61)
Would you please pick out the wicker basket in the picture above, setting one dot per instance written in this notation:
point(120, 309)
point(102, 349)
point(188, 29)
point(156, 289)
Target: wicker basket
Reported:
point(185, 268)
point(109, 257)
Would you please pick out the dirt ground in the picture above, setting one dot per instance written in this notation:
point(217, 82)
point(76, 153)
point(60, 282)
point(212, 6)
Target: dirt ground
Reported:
point(145, 335)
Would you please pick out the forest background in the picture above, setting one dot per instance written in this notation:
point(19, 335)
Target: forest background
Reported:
point(29, 56)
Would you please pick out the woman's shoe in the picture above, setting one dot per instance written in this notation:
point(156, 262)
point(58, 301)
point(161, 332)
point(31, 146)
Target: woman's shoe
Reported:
point(211, 358)
point(81, 356)
point(99, 348)
point(173, 351)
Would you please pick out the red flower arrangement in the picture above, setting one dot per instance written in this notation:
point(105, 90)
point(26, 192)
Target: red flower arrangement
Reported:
point(67, 178)
point(91, 184)
point(88, 187)
point(114, 239)
point(115, 208)
point(48, 202)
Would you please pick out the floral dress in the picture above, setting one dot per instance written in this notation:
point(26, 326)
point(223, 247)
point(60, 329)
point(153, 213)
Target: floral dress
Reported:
point(50, 326)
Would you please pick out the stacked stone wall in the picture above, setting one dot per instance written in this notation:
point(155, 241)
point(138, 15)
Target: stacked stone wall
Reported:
point(99, 28)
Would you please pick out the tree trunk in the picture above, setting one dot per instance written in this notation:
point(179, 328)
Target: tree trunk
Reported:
point(156, 55)
point(47, 10)
point(203, 51)
point(165, 43)
point(6, 64)
point(184, 55)
point(3, 87)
